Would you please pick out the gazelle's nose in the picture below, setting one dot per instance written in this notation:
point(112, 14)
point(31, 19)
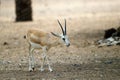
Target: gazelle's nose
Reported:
point(68, 45)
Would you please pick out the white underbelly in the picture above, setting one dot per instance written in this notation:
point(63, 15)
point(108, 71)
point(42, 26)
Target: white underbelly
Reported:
point(34, 45)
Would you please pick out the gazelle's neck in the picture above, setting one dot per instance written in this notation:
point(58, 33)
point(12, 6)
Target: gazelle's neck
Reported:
point(53, 42)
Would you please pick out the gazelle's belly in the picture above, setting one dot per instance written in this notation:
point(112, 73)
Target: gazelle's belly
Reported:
point(35, 45)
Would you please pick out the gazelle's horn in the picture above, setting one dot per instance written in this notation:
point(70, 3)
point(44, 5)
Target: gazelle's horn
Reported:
point(61, 27)
point(65, 28)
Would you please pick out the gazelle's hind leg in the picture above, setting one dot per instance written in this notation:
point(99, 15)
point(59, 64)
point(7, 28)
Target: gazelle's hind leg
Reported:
point(31, 59)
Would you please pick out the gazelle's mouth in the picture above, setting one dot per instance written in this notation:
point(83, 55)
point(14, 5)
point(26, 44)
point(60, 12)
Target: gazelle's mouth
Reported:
point(68, 45)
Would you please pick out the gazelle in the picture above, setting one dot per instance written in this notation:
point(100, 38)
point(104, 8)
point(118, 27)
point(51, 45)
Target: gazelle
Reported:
point(38, 39)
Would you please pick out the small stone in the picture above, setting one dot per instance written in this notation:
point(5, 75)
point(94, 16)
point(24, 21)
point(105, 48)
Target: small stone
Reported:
point(24, 37)
point(5, 43)
point(108, 62)
point(97, 61)
point(95, 55)
point(76, 65)
point(57, 74)
point(101, 75)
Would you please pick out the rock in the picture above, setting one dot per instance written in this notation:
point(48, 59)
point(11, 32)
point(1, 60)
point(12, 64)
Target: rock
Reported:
point(5, 43)
point(76, 65)
point(108, 62)
point(24, 36)
point(57, 74)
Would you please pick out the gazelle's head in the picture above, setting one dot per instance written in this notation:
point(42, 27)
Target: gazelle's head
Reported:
point(63, 36)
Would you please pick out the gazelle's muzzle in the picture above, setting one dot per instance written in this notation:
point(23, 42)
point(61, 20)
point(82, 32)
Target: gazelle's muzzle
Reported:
point(68, 45)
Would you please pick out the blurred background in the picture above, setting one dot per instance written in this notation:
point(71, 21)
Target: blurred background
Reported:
point(87, 21)
point(58, 8)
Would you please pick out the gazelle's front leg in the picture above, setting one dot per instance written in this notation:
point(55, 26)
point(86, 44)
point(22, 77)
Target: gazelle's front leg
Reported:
point(43, 62)
point(48, 64)
point(45, 57)
point(31, 59)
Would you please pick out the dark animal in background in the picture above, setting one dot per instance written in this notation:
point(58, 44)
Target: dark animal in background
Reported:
point(117, 33)
point(111, 37)
point(109, 33)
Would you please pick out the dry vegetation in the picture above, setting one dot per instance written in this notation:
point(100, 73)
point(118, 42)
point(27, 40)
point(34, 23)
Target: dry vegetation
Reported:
point(83, 60)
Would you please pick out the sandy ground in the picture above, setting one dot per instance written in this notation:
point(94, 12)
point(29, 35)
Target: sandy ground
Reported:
point(83, 60)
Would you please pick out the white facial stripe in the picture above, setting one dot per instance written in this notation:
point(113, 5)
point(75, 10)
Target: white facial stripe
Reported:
point(65, 39)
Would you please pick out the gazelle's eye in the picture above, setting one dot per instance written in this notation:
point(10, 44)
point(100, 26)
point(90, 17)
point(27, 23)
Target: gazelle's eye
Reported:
point(63, 39)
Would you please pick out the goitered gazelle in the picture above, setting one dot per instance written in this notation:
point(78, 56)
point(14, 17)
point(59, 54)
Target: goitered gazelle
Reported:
point(38, 39)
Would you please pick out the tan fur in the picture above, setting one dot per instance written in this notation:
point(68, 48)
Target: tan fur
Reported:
point(36, 36)
point(42, 38)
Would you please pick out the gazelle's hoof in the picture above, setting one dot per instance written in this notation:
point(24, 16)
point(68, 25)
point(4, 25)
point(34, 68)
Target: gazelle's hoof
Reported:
point(41, 70)
point(51, 70)
point(31, 69)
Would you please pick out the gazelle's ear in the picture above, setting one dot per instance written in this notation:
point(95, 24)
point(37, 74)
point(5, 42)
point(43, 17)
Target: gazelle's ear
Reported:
point(54, 34)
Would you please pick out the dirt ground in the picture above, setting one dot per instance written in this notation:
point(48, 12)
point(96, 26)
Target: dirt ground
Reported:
point(83, 60)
